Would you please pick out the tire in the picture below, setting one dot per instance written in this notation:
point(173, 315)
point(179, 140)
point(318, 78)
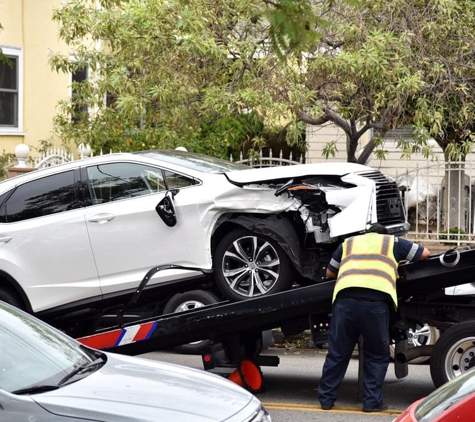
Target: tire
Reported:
point(184, 302)
point(423, 335)
point(248, 265)
point(454, 353)
point(11, 298)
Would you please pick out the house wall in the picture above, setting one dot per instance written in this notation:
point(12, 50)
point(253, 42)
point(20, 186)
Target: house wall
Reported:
point(28, 25)
point(318, 136)
point(393, 164)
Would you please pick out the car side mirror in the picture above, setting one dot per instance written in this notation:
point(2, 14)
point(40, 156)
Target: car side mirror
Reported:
point(166, 209)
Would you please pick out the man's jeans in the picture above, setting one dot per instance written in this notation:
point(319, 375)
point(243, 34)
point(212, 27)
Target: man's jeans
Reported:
point(350, 319)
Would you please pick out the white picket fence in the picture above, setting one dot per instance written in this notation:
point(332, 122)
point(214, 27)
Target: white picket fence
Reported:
point(260, 160)
point(52, 157)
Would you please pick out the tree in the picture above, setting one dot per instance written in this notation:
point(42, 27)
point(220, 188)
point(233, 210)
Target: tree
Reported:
point(171, 70)
point(388, 63)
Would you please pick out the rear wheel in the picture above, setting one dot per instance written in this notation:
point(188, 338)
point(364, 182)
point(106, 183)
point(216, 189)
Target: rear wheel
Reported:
point(454, 353)
point(248, 264)
point(185, 302)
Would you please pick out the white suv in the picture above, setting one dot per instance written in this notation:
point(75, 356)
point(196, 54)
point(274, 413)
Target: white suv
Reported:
point(78, 238)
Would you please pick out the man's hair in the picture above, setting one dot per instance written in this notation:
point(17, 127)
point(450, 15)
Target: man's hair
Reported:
point(378, 228)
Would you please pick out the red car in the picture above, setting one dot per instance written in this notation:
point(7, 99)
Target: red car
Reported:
point(453, 401)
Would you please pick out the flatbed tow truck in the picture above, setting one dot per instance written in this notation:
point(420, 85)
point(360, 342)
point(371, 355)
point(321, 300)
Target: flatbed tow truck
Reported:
point(235, 329)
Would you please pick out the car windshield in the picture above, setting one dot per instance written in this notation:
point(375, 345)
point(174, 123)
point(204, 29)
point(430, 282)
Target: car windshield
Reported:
point(191, 160)
point(34, 356)
point(444, 397)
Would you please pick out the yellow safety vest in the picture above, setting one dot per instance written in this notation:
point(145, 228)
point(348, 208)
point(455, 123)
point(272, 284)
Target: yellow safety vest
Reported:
point(368, 261)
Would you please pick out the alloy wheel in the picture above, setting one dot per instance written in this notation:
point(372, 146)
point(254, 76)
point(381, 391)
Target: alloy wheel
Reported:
point(251, 266)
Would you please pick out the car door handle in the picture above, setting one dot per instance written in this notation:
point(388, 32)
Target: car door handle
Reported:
point(5, 239)
point(101, 218)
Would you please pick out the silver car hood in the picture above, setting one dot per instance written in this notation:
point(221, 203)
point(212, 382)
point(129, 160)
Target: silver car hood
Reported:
point(255, 175)
point(123, 390)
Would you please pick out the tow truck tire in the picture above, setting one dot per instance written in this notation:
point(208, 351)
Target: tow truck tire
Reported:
point(186, 301)
point(245, 260)
point(454, 353)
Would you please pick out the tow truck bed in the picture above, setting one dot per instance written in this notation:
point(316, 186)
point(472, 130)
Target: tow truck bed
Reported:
point(215, 321)
point(240, 324)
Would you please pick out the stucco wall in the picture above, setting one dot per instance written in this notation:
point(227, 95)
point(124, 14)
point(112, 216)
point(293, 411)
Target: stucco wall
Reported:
point(27, 24)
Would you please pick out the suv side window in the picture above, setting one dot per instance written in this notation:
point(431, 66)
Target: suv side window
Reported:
point(177, 181)
point(116, 181)
point(45, 196)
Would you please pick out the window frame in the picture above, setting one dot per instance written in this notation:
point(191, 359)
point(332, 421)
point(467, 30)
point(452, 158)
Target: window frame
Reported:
point(17, 53)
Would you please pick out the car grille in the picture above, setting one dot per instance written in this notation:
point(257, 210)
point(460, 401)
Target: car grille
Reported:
point(390, 209)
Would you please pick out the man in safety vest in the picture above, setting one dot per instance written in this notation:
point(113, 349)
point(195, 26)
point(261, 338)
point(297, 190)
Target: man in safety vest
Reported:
point(366, 270)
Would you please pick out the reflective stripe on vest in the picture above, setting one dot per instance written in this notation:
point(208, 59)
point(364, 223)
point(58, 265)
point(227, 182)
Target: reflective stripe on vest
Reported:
point(368, 261)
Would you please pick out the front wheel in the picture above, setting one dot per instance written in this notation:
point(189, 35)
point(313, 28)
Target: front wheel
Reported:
point(248, 264)
point(454, 353)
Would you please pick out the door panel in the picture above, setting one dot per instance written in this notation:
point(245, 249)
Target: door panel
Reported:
point(52, 259)
point(127, 235)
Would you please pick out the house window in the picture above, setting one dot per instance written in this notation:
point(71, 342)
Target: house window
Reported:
point(79, 76)
point(11, 69)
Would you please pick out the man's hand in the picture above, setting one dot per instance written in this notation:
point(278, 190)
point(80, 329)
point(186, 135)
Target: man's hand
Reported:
point(425, 254)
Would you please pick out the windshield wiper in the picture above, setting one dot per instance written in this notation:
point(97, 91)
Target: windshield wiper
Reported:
point(36, 389)
point(85, 367)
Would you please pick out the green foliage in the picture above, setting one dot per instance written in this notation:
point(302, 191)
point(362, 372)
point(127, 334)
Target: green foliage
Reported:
point(293, 26)
point(385, 64)
point(454, 236)
point(6, 160)
point(178, 72)
point(330, 149)
point(226, 137)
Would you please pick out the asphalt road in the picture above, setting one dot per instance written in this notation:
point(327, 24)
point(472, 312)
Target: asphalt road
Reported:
point(291, 393)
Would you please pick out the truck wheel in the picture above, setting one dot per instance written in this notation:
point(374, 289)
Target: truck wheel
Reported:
point(247, 265)
point(187, 301)
point(11, 298)
point(422, 335)
point(454, 353)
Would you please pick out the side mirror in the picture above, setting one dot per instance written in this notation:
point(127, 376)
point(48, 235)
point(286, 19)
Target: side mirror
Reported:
point(166, 209)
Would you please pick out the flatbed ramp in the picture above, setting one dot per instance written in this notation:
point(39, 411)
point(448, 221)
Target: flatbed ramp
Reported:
point(215, 321)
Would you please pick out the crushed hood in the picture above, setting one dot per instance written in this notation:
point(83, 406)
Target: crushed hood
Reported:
point(256, 175)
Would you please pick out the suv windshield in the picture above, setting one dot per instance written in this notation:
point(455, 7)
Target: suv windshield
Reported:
point(191, 160)
point(34, 355)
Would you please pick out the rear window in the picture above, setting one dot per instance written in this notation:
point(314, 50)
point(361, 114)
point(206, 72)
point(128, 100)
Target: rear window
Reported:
point(41, 197)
